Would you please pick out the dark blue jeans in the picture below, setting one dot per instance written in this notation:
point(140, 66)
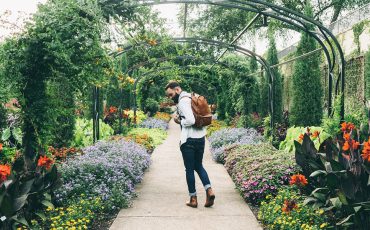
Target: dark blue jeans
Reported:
point(192, 153)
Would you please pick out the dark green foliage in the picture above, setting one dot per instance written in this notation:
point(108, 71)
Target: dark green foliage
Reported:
point(264, 95)
point(151, 106)
point(51, 51)
point(27, 194)
point(272, 59)
point(338, 181)
point(367, 76)
point(307, 89)
point(62, 111)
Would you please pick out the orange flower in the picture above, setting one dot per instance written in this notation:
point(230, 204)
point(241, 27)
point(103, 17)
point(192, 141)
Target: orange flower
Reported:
point(4, 172)
point(152, 42)
point(45, 161)
point(345, 146)
point(300, 138)
point(366, 151)
point(113, 109)
point(119, 49)
point(1, 147)
point(289, 205)
point(347, 127)
point(298, 179)
point(316, 134)
point(346, 136)
point(355, 144)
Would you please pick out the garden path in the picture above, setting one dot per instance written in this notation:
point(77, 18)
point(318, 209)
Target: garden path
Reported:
point(163, 193)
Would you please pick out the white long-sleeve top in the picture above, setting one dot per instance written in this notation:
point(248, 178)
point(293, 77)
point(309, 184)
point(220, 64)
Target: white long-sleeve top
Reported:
point(188, 119)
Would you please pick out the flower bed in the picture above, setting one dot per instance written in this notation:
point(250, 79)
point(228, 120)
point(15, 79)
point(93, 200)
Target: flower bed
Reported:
point(221, 140)
point(259, 170)
point(153, 123)
point(108, 170)
point(287, 211)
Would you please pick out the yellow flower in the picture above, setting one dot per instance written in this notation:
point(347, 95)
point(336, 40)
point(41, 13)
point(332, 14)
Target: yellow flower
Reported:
point(321, 211)
point(323, 225)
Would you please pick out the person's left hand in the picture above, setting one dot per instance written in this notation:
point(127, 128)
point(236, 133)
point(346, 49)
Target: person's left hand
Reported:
point(177, 120)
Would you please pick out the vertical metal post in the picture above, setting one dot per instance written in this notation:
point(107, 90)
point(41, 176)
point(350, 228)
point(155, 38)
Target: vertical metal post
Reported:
point(120, 111)
point(97, 113)
point(94, 114)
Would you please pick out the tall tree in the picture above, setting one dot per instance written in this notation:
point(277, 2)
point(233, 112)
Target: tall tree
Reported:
point(272, 59)
point(307, 89)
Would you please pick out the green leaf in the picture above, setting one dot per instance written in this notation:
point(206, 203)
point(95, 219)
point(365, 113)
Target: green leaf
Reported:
point(18, 135)
point(342, 197)
point(19, 202)
point(320, 196)
point(6, 207)
point(345, 220)
point(47, 196)
point(309, 200)
point(357, 208)
point(47, 204)
point(26, 187)
point(317, 173)
point(336, 202)
point(41, 215)
point(21, 220)
point(6, 134)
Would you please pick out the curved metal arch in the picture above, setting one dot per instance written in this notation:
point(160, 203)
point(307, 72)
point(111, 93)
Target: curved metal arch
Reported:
point(235, 48)
point(179, 57)
point(212, 60)
point(296, 19)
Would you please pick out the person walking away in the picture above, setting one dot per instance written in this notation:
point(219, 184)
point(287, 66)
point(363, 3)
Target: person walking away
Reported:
point(192, 143)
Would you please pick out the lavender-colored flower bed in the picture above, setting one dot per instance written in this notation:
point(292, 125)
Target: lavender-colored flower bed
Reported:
point(224, 138)
point(153, 123)
point(108, 170)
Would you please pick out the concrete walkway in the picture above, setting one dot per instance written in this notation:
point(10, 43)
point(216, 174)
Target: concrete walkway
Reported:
point(163, 193)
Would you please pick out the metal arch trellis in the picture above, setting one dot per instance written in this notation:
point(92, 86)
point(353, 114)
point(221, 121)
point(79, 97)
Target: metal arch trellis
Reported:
point(235, 48)
point(212, 60)
point(301, 22)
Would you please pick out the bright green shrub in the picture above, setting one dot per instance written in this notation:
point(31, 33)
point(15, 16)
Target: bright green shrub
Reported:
point(158, 135)
point(84, 132)
point(294, 133)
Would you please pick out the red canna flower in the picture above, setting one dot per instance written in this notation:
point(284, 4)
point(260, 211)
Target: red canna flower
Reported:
point(347, 127)
point(346, 136)
point(289, 205)
point(45, 161)
point(345, 146)
point(298, 179)
point(300, 138)
point(113, 109)
point(4, 172)
point(316, 134)
point(355, 144)
point(366, 151)
point(1, 147)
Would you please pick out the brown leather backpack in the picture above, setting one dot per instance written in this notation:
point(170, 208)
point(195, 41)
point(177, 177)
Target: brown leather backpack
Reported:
point(201, 110)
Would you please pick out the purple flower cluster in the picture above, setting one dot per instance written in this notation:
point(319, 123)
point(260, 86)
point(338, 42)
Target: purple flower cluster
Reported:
point(108, 170)
point(153, 123)
point(255, 188)
point(224, 138)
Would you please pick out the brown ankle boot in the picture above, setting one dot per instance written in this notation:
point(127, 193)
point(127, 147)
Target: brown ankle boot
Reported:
point(210, 198)
point(193, 202)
